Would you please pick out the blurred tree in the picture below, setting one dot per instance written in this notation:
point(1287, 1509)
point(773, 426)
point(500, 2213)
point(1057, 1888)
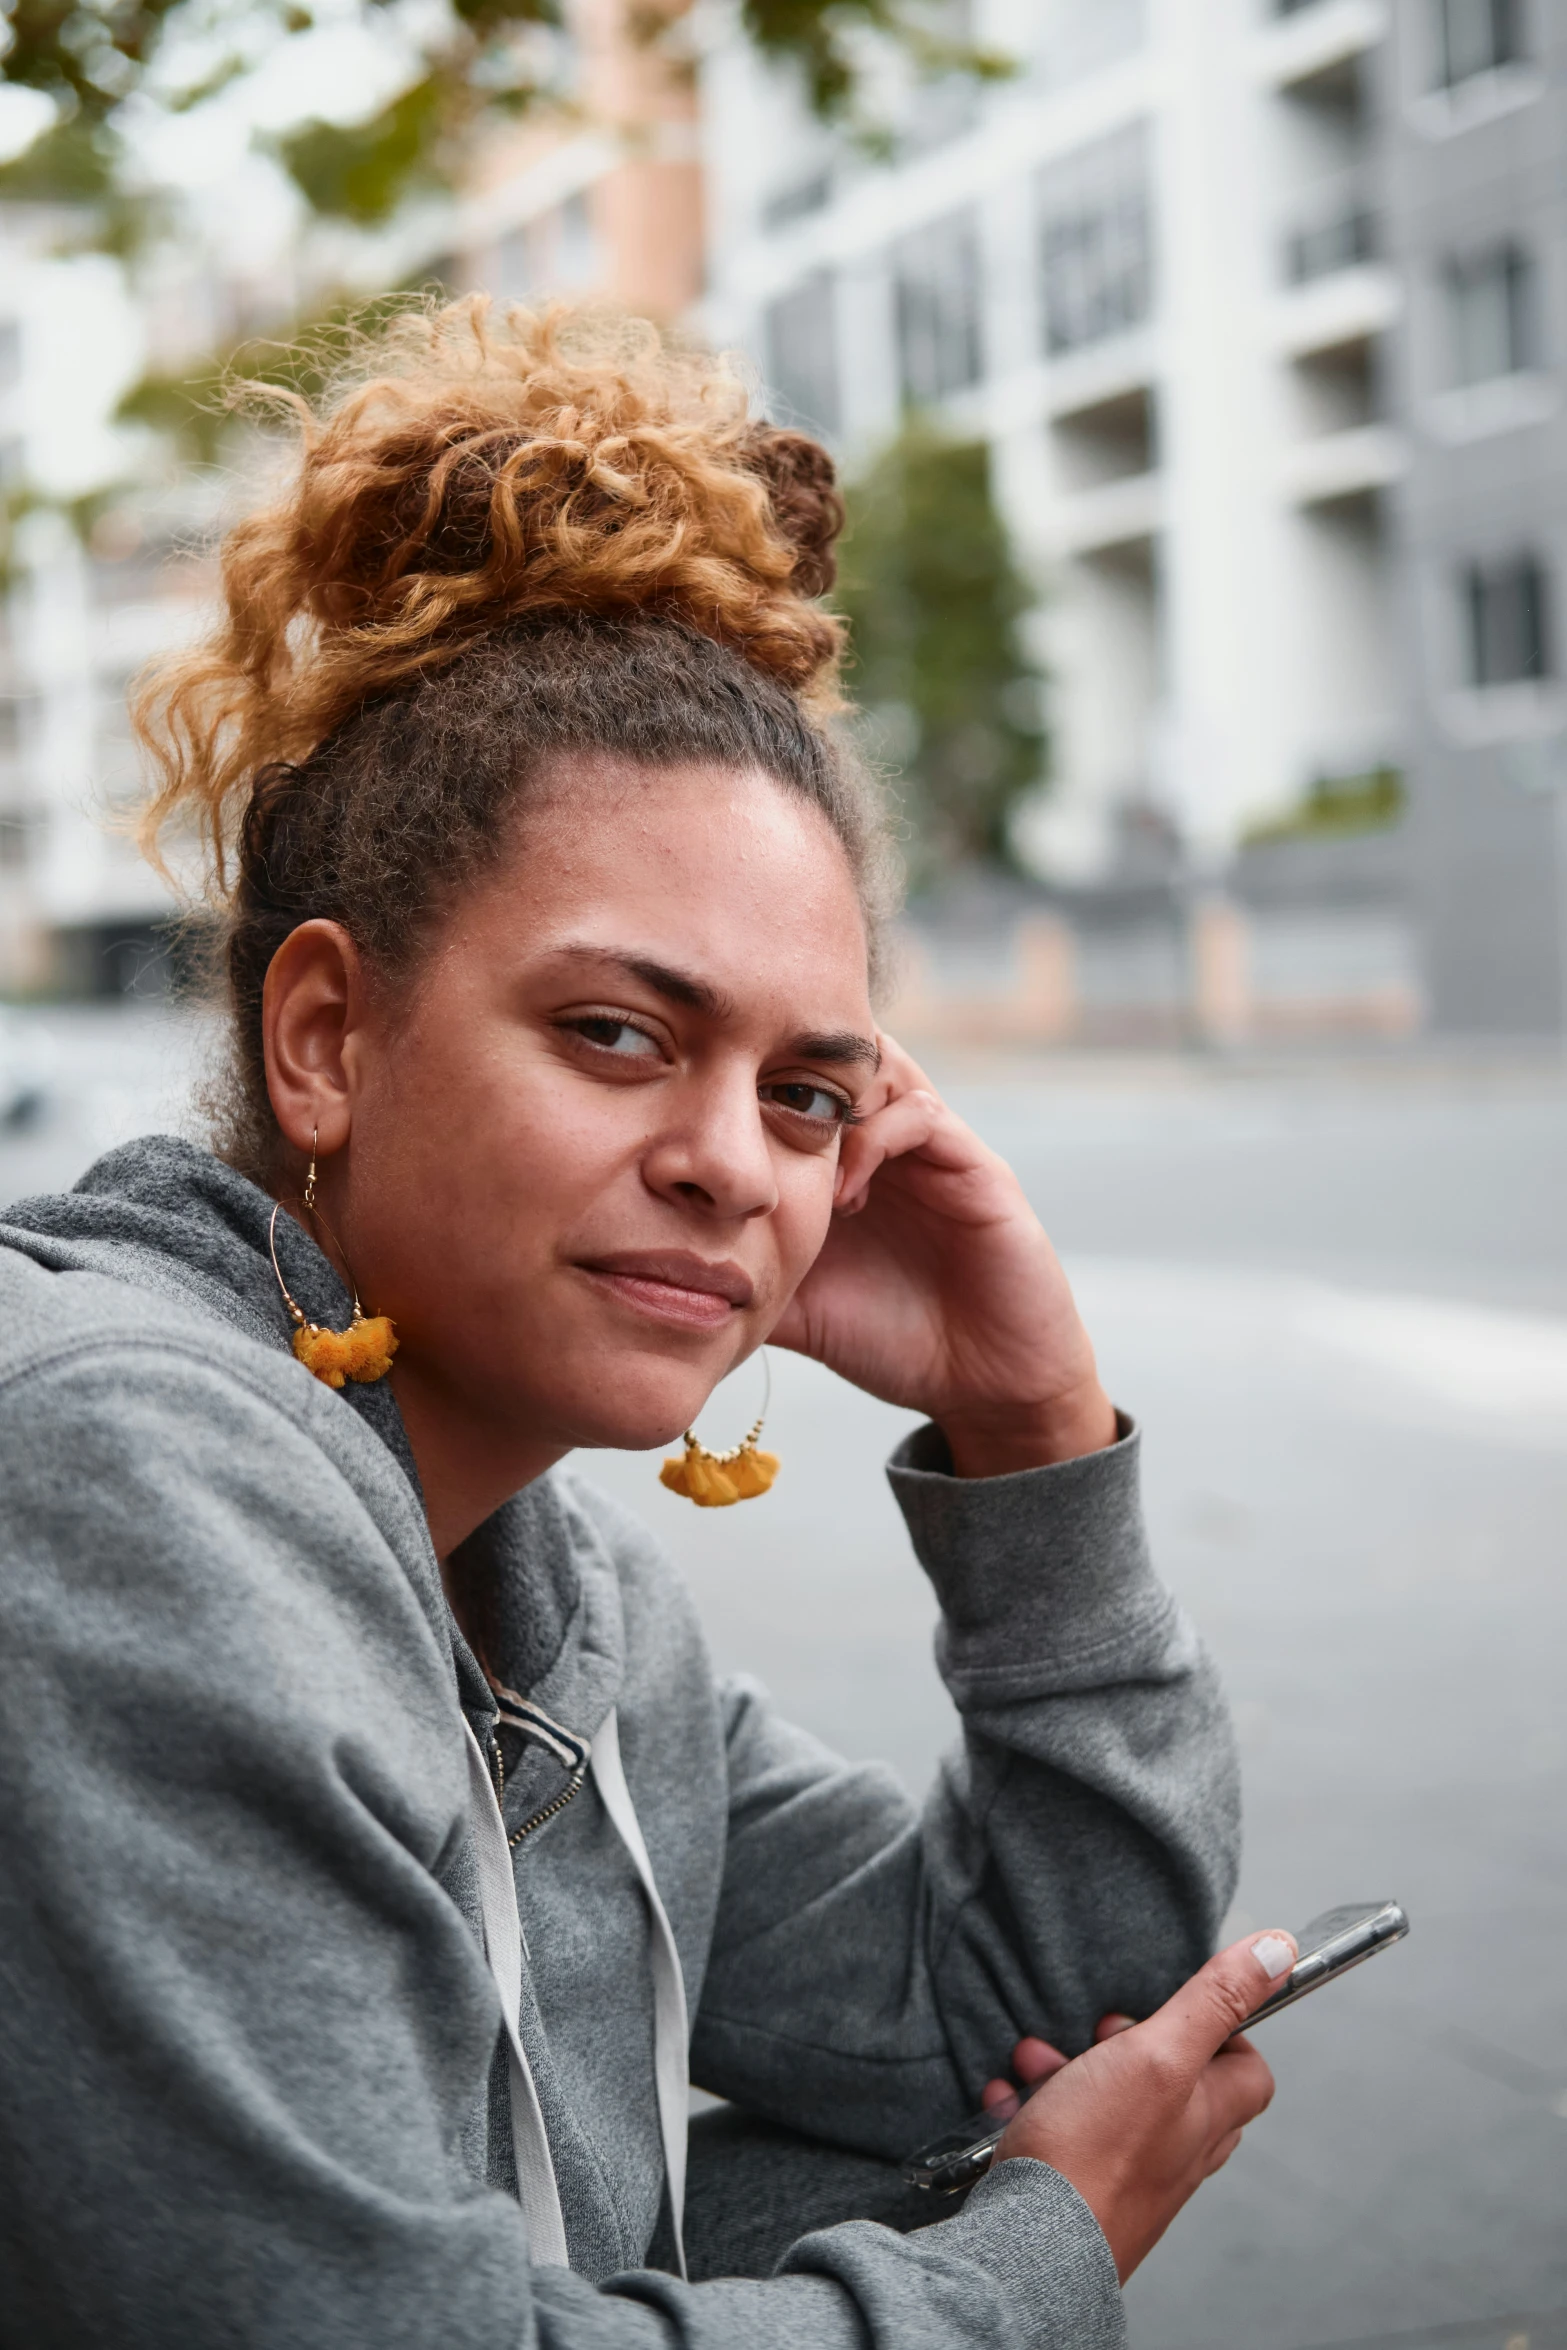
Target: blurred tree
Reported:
point(105, 63)
point(197, 408)
point(1336, 806)
point(824, 40)
point(935, 597)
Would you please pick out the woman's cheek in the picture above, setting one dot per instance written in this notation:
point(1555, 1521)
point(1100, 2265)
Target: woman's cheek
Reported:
point(804, 1220)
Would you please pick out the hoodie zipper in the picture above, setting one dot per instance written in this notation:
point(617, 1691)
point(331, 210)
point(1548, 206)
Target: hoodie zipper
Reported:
point(521, 1714)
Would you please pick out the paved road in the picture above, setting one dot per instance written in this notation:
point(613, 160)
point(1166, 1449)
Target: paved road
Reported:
point(1337, 1298)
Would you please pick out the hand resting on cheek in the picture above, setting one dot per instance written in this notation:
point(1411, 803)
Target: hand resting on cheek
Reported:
point(938, 1289)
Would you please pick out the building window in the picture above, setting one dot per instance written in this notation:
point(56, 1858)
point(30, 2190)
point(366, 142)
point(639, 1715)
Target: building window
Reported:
point(936, 274)
point(800, 335)
point(515, 271)
point(1075, 40)
point(1346, 239)
point(1490, 299)
point(1096, 242)
point(798, 200)
point(1508, 622)
point(577, 259)
point(1475, 36)
point(20, 832)
point(555, 251)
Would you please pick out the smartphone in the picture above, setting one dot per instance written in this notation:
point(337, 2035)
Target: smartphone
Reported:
point(1333, 1943)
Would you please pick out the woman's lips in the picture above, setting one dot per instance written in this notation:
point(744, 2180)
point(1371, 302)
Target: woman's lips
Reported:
point(674, 1287)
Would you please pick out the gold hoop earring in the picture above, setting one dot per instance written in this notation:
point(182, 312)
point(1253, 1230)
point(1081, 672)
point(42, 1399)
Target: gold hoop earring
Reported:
point(363, 1352)
point(715, 1479)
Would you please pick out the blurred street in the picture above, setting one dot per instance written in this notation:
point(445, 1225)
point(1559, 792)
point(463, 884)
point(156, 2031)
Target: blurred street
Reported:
point(1335, 1294)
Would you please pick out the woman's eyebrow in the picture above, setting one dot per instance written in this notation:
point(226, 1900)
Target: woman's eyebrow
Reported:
point(833, 1045)
point(838, 1044)
point(676, 987)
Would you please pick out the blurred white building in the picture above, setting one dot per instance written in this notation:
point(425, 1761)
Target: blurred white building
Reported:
point(1146, 270)
point(85, 605)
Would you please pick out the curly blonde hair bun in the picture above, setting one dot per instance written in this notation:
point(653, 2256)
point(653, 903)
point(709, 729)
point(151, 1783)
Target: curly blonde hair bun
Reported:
point(469, 468)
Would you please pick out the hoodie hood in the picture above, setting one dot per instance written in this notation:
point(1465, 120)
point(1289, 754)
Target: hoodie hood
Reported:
point(170, 1218)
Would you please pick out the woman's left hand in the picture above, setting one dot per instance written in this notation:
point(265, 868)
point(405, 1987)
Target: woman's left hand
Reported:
point(938, 1289)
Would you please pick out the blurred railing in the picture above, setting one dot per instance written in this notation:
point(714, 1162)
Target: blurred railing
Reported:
point(1161, 967)
point(1344, 234)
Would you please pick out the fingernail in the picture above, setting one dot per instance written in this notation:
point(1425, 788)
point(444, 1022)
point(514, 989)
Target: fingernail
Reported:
point(1274, 1954)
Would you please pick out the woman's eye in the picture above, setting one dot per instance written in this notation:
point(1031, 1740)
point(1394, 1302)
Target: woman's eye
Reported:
point(810, 1101)
point(616, 1036)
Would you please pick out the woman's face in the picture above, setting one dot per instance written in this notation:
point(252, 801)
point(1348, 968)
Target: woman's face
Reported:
point(592, 1151)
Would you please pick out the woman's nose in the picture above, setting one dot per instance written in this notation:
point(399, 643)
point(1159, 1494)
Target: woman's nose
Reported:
point(713, 1151)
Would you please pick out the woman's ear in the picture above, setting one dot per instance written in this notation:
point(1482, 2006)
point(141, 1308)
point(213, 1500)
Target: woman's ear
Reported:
point(310, 1003)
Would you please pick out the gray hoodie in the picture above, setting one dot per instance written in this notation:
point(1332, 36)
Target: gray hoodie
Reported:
point(254, 2088)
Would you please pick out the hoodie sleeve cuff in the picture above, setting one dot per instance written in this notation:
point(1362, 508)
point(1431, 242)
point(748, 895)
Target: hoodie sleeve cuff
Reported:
point(1033, 2233)
point(1043, 1568)
point(1023, 2262)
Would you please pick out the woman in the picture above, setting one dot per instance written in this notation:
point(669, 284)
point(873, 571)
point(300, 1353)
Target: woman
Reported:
point(551, 915)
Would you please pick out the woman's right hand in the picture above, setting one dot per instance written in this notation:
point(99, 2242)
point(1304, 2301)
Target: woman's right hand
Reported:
point(1137, 2122)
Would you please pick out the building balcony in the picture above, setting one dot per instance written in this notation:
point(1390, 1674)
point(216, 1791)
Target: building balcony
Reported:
point(1339, 466)
point(1327, 313)
point(1314, 38)
point(1111, 515)
point(1116, 369)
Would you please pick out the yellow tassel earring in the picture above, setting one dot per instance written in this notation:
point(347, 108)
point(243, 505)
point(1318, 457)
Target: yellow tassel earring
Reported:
point(364, 1351)
point(715, 1479)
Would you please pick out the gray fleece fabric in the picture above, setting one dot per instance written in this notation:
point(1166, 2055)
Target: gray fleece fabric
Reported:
point(251, 2092)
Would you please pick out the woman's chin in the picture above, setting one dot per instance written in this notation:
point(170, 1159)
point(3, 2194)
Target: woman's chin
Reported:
point(625, 1424)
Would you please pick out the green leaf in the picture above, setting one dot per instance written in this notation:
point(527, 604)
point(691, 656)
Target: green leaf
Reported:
point(491, 16)
point(73, 162)
point(363, 171)
point(821, 39)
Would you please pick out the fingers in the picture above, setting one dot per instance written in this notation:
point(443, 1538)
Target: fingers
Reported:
point(911, 1116)
point(1035, 2060)
point(1109, 2026)
point(1239, 2086)
point(899, 1068)
point(1206, 2011)
point(904, 1125)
